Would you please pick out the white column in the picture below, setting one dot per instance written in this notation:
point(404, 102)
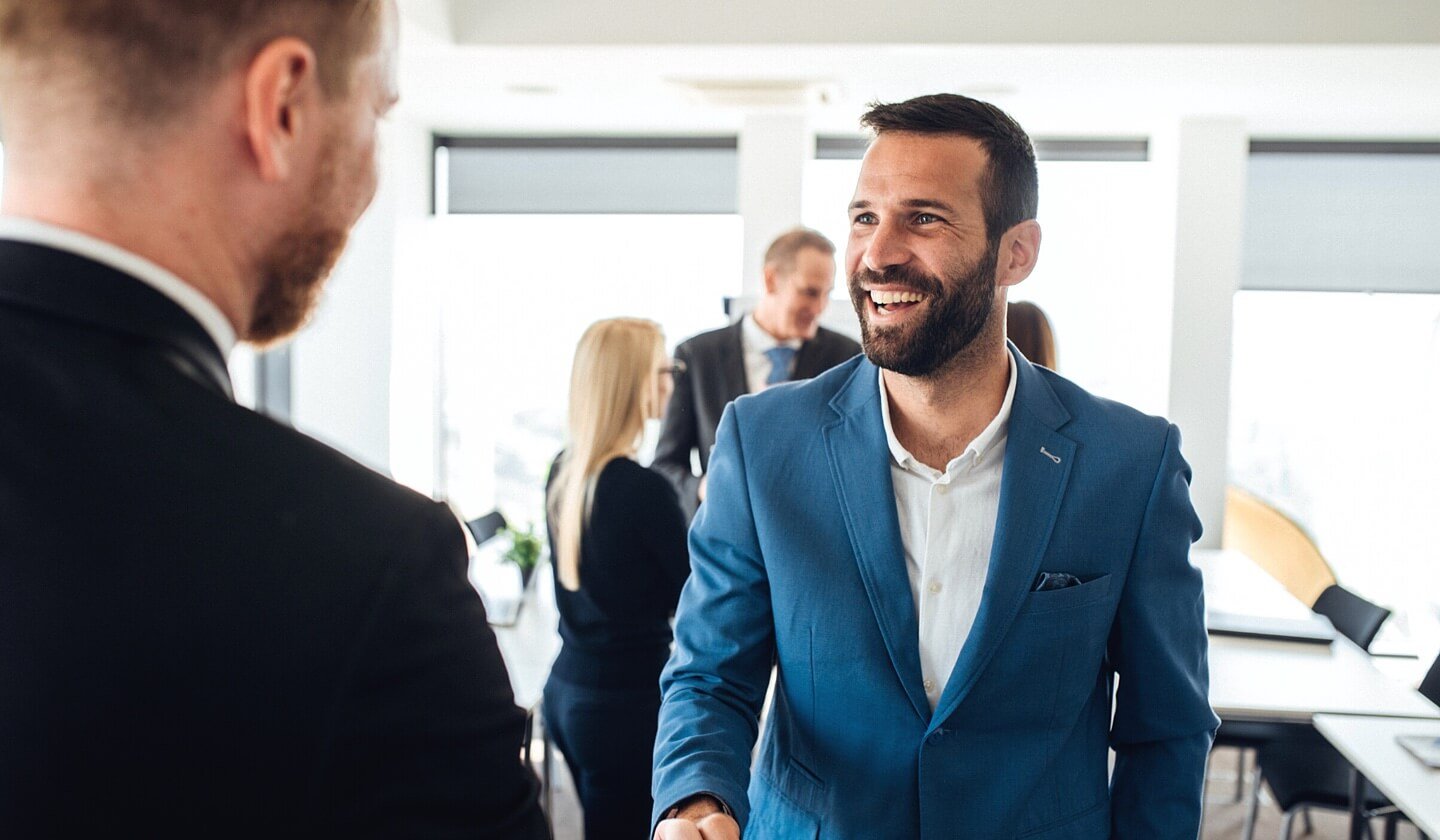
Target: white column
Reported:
point(774, 147)
point(341, 360)
point(421, 268)
point(1210, 158)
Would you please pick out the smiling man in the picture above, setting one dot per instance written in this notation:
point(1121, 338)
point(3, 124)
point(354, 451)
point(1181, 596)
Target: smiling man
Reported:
point(211, 625)
point(779, 341)
point(951, 554)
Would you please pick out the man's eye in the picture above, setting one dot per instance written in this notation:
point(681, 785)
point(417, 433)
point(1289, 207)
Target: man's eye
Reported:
point(927, 218)
point(864, 219)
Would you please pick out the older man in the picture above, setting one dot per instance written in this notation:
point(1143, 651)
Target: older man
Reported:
point(780, 340)
point(211, 625)
point(951, 554)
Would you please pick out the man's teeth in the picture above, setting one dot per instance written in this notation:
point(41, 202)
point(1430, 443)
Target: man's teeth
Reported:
point(884, 298)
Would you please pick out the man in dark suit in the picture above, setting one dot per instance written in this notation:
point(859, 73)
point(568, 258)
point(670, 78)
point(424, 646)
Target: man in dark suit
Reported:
point(779, 341)
point(211, 625)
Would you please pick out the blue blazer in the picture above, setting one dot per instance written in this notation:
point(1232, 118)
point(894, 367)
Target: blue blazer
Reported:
point(797, 562)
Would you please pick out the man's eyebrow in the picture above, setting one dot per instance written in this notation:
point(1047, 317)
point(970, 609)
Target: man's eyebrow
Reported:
point(912, 204)
point(928, 203)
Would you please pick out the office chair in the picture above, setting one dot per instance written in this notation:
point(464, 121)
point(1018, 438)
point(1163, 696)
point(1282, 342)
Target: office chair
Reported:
point(1281, 547)
point(1277, 544)
point(1430, 686)
point(486, 526)
point(1353, 617)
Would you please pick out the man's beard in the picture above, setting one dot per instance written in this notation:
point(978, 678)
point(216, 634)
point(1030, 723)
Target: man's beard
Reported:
point(958, 311)
point(294, 271)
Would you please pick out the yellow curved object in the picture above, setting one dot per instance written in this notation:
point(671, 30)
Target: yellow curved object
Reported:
point(1277, 544)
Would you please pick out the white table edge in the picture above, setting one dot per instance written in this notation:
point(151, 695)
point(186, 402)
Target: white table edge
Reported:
point(1323, 725)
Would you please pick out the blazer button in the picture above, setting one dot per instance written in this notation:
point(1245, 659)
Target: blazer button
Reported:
point(935, 737)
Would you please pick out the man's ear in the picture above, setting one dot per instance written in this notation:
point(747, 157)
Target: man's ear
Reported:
point(1019, 251)
point(281, 94)
point(772, 278)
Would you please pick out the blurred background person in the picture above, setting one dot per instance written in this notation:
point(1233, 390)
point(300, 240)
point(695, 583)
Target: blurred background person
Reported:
point(1027, 326)
point(779, 341)
point(617, 535)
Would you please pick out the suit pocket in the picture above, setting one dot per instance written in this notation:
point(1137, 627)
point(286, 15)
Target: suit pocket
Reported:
point(774, 816)
point(1070, 597)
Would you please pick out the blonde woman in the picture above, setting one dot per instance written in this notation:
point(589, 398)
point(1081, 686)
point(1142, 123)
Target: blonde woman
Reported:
point(618, 538)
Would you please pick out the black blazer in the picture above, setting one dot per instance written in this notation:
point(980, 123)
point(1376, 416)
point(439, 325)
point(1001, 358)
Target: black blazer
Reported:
point(715, 375)
point(211, 625)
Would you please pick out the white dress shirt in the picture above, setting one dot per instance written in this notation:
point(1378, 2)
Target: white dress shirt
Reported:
point(756, 341)
point(184, 295)
point(947, 525)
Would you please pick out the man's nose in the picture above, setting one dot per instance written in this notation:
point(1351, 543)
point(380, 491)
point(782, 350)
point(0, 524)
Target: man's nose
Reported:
point(886, 247)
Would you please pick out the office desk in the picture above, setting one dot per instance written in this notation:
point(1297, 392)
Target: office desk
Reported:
point(1291, 682)
point(1368, 743)
point(1274, 681)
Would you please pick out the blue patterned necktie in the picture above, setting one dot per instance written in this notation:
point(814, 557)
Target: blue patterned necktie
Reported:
point(780, 360)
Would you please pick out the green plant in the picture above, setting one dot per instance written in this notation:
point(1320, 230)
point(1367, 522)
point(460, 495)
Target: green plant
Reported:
point(524, 550)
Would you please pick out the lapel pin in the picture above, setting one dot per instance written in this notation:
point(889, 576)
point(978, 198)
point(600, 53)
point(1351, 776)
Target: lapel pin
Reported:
point(1048, 454)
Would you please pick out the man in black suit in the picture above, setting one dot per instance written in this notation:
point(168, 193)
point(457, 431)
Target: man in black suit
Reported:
point(780, 340)
point(210, 625)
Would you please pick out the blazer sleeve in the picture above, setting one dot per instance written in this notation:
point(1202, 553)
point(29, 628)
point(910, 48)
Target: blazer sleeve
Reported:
point(679, 436)
point(715, 682)
point(1163, 723)
point(425, 737)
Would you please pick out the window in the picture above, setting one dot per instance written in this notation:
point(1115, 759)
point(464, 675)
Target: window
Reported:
point(534, 240)
point(519, 292)
point(1335, 384)
point(1335, 399)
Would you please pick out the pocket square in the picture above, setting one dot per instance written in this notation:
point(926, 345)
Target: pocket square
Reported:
point(1046, 581)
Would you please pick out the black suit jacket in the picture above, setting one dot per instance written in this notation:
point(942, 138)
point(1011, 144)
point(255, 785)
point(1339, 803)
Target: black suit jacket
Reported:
point(715, 375)
point(211, 625)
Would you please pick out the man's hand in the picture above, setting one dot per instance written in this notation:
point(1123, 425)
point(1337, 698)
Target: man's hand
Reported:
point(700, 491)
point(699, 818)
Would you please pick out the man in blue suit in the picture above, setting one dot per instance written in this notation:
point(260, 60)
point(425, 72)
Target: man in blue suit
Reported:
point(951, 555)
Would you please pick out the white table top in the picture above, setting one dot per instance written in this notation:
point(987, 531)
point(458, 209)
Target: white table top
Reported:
point(1235, 584)
point(1369, 744)
point(1264, 680)
point(1272, 680)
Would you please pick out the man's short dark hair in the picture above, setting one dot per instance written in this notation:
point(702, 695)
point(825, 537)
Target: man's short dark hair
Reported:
point(1010, 187)
point(151, 58)
point(783, 252)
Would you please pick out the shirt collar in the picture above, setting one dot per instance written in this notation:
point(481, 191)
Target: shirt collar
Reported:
point(993, 433)
point(757, 340)
point(187, 297)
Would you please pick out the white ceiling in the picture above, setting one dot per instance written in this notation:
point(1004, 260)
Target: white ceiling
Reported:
point(576, 22)
point(1335, 90)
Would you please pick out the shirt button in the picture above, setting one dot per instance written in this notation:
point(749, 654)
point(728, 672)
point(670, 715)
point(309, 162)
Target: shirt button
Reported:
point(929, 686)
point(942, 489)
point(935, 587)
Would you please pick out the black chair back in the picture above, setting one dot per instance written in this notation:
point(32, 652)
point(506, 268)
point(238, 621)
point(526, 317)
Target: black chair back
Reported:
point(486, 526)
point(1354, 617)
point(1430, 686)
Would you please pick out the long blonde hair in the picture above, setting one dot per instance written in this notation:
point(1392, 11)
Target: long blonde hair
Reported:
point(612, 390)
